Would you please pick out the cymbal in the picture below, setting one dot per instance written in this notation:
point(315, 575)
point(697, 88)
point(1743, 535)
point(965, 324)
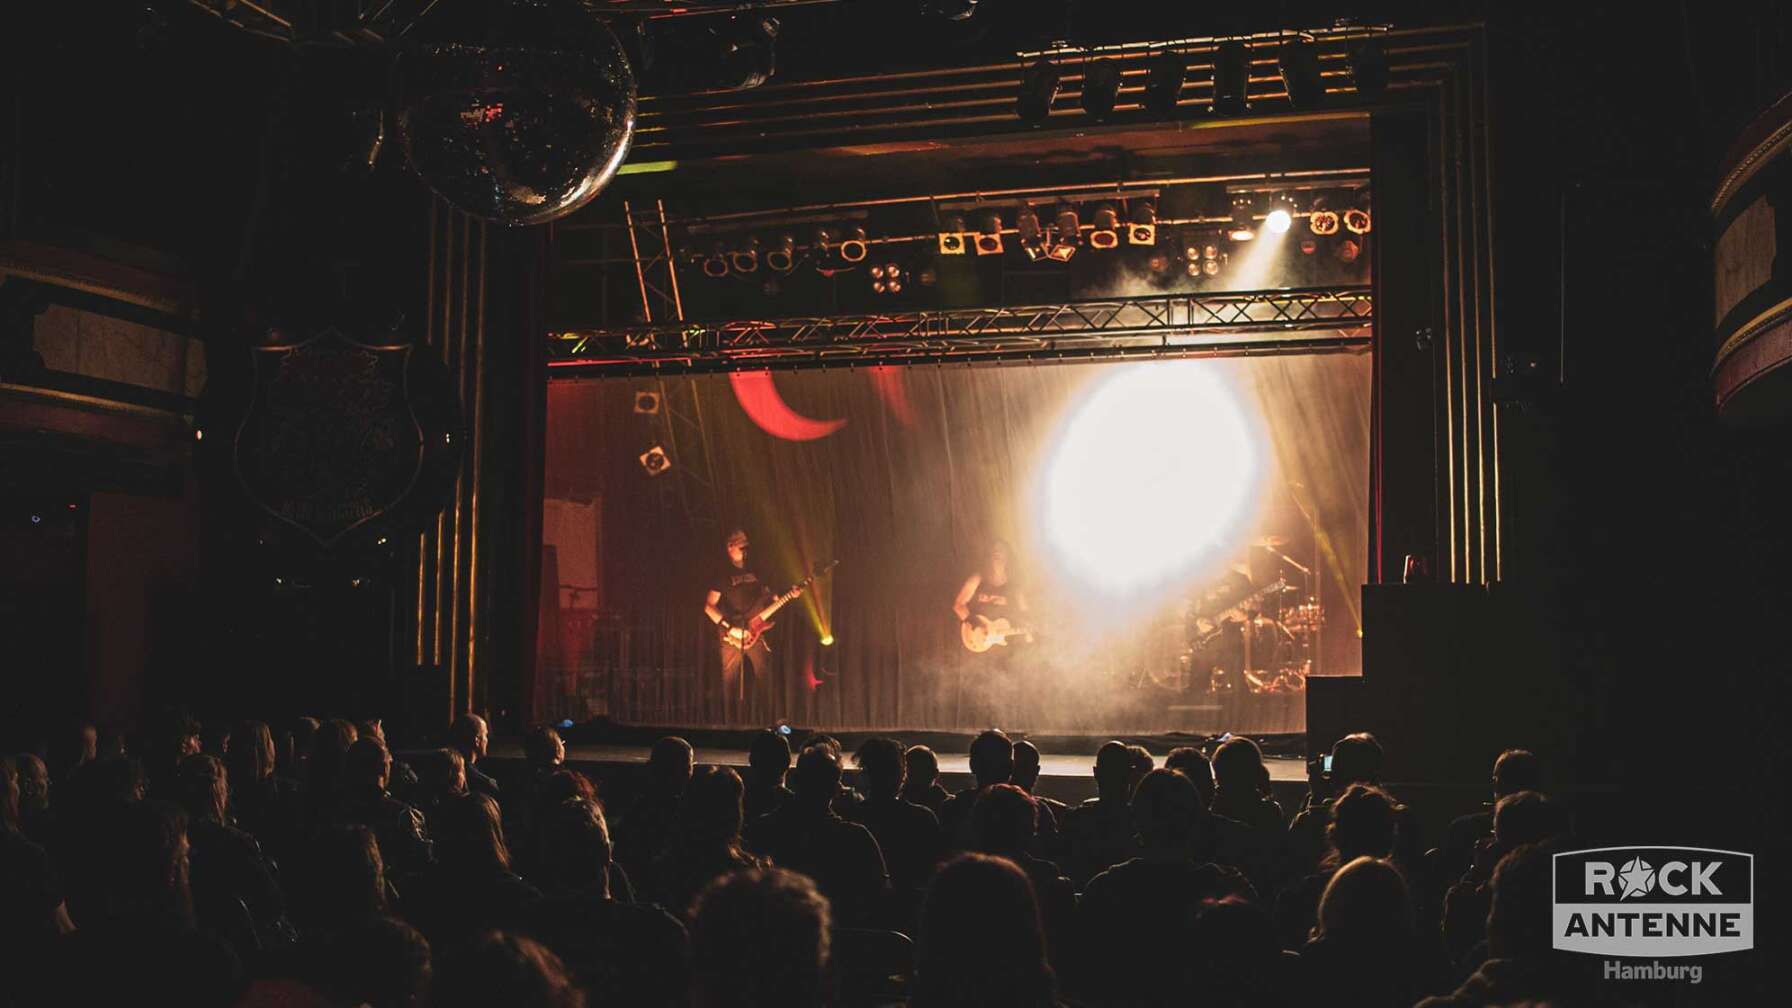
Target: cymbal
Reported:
point(1271, 542)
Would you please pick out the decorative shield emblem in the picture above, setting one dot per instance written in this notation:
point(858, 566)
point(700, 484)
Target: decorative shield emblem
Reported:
point(330, 441)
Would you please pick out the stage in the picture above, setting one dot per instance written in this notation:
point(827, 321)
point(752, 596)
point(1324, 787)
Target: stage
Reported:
point(1065, 763)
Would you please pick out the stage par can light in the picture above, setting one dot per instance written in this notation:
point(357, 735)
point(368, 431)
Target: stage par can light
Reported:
point(952, 237)
point(1101, 87)
point(877, 272)
point(655, 461)
point(1231, 79)
point(1357, 220)
point(1368, 67)
point(853, 247)
point(1211, 267)
point(1105, 231)
point(647, 403)
point(1298, 61)
point(746, 258)
point(1322, 220)
point(1143, 229)
point(1348, 251)
point(1163, 83)
point(716, 265)
point(781, 257)
point(1069, 227)
point(1309, 245)
point(1038, 89)
point(988, 239)
point(1280, 214)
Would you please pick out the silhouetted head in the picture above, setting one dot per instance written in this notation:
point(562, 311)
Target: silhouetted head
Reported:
point(142, 867)
point(980, 941)
point(816, 779)
point(204, 788)
point(1004, 820)
point(544, 748)
point(1238, 766)
point(563, 784)
point(1364, 820)
point(923, 768)
point(1527, 817)
point(1192, 763)
point(574, 841)
point(34, 784)
point(992, 758)
point(77, 743)
point(1518, 922)
point(347, 877)
point(470, 737)
point(250, 758)
point(1113, 772)
point(1356, 758)
point(768, 756)
point(469, 835)
point(759, 937)
point(367, 766)
point(1236, 951)
point(1517, 770)
point(1166, 812)
point(1366, 902)
point(372, 728)
point(501, 968)
point(880, 767)
point(1026, 765)
point(669, 764)
point(710, 813)
point(380, 962)
point(441, 773)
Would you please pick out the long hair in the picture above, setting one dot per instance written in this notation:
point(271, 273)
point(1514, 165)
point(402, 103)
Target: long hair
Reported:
point(1366, 903)
point(471, 834)
point(250, 755)
point(1364, 821)
point(980, 941)
point(204, 788)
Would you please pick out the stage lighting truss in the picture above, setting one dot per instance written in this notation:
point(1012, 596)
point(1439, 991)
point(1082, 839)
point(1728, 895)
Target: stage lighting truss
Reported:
point(1302, 320)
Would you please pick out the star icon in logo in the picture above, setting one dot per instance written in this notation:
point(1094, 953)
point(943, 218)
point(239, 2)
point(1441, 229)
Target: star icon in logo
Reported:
point(1637, 877)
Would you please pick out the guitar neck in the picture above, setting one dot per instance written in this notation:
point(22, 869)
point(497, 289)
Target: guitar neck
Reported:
point(778, 603)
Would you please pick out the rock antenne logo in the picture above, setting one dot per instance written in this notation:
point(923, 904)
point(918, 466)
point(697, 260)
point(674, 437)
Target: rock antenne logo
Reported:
point(1654, 901)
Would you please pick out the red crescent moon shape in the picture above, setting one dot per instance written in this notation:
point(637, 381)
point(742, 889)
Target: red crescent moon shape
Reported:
point(759, 397)
point(890, 387)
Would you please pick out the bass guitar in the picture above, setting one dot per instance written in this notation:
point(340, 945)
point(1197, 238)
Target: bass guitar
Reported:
point(746, 635)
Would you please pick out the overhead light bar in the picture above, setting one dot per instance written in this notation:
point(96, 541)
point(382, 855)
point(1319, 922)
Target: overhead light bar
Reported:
point(1038, 89)
point(1101, 87)
point(1231, 79)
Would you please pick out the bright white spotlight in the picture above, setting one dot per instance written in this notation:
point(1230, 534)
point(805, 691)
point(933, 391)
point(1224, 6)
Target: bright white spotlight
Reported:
point(1278, 221)
point(1155, 469)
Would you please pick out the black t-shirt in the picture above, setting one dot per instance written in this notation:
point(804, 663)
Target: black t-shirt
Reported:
point(743, 594)
point(993, 602)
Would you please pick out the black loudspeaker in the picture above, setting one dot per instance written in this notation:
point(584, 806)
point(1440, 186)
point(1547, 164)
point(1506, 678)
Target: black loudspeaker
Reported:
point(1428, 655)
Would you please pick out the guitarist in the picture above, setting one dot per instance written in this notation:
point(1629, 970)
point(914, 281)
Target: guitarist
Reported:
point(735, 596)
point(992, 594)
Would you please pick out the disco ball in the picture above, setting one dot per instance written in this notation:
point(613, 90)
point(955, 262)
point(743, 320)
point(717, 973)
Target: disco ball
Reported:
point(517, 112)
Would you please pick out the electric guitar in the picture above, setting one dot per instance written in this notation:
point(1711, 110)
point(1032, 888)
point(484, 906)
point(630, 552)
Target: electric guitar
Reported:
point(980, 633)
point(747, 635)
point(1209, 627)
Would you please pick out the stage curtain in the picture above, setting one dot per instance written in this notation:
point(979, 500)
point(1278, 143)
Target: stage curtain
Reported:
point(931, 463)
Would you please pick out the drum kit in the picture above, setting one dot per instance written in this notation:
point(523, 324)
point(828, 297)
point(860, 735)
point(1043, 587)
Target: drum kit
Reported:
point(1239, 637)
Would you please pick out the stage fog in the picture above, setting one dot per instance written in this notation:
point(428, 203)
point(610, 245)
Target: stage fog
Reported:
point(1188, 537)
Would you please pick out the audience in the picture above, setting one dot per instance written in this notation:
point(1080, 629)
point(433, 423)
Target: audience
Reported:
point(908, 834)
point(1514, 770)
point(706, 842)
point(502, 968)
point(980, 943)
point(1135, 915)
point(470, 737)
point(646, 828)
point(760, 937)
point(1098, 833)
point(632, 954)
point(922, 785)
point(1004, 823)
point(291, 873)
point(1051, 810)
point(1365, 950)
point(992, 763)
point(768, 761)
point(807, 836)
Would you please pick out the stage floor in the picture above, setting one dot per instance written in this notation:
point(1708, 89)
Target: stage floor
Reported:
point(1053, 765)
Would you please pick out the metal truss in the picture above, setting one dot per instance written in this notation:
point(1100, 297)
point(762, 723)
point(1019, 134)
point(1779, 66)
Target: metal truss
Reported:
point(1285, 321)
